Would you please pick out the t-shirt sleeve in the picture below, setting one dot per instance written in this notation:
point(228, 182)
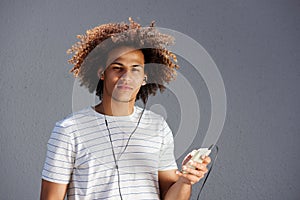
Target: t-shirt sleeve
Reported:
point(167, 160)
point(60, 155)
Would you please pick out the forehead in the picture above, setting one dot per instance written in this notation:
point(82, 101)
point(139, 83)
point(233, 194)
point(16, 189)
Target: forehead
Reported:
point(126, 54)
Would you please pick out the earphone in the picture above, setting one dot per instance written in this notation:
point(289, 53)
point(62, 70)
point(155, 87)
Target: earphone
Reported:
point(102, 75)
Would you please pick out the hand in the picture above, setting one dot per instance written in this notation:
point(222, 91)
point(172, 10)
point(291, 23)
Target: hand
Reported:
point(193, 175)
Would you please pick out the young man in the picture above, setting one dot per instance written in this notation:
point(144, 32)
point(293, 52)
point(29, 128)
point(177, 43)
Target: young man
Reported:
point(116, 150)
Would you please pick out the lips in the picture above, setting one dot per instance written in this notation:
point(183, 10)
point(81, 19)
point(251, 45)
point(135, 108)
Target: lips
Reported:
point(124, 87)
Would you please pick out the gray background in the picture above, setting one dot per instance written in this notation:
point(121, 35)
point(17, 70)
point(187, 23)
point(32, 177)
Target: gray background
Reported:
point(255, 44)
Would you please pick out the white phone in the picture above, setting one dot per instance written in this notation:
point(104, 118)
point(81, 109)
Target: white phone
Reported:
point(196, 156)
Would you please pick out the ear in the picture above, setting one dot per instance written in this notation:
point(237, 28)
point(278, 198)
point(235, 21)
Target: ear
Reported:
point(144, 80)
point(100, 74)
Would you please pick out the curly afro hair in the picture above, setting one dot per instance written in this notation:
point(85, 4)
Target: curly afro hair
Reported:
point(90, 54)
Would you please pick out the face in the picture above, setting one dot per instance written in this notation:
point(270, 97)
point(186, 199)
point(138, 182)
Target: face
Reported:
point(124, 74)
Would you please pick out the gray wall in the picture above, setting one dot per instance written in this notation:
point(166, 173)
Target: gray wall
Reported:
point(255, 44)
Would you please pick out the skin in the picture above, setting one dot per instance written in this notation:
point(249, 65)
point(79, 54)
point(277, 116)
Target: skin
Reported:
point(123, 77)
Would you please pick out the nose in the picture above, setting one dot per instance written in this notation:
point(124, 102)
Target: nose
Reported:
point(126, 76)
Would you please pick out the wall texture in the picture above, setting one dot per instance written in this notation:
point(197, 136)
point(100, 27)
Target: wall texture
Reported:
point(255, 44)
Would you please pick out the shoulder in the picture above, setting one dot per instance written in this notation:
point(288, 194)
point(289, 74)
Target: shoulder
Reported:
point(152, 118)
point(75, 118)
point(148, 114)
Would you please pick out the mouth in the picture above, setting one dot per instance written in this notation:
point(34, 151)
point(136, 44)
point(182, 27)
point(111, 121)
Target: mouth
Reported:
point(124, 87)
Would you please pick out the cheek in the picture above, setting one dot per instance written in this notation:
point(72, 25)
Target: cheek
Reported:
point(139, 77)
point(138, 81)
point(111, 81)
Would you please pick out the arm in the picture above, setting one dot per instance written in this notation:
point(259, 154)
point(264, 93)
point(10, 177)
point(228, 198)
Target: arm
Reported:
point(172, 186)
point(176, 185)
point(53, 191)
point(59, 163)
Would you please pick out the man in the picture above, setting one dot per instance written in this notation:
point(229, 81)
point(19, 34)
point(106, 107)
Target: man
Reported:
point(116, 150)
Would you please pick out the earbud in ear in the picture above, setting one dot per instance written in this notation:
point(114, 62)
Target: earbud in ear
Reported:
point(144, 81)
point(100, 73)
point(102, 76)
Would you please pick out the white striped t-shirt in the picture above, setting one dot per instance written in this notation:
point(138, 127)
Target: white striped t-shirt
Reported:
point(80, 154)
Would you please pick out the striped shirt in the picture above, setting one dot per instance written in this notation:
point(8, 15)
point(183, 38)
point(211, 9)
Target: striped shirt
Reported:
point(80, 154)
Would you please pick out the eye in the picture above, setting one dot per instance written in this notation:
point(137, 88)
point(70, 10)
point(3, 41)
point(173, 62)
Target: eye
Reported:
point(116, 68)
point(135, 69)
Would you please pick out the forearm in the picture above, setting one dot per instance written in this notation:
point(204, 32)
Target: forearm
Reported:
point(52, 191)
point(180, 190)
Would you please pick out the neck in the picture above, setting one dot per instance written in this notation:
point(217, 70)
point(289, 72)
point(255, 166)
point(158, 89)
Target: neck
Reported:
point(115, 108)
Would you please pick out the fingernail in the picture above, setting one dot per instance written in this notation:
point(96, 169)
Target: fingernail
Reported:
point(177, 172)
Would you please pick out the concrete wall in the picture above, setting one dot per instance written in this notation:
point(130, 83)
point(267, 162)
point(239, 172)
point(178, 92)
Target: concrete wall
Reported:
point(255, 45)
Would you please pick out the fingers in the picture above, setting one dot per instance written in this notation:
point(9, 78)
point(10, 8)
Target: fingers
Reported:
point(200, 168)
point(191, 175)
point(190, 178)
point(205, 159)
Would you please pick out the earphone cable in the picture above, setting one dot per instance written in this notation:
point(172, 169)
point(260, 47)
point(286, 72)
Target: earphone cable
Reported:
point(113, 151)
point(132, 133)
point(212, 164)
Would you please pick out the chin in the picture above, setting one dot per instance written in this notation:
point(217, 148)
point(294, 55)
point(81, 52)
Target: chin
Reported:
point(123, 99)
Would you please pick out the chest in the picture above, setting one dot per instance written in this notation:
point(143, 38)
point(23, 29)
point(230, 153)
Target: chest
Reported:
point(135, 152)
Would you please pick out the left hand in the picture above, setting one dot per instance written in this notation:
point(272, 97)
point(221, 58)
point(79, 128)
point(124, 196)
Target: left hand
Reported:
point(193, 175)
